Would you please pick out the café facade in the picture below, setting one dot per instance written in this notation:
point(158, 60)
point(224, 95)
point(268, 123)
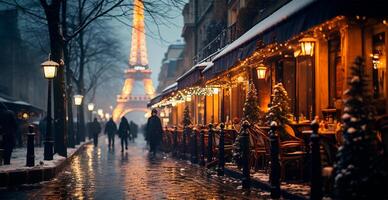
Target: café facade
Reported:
point(308, 46)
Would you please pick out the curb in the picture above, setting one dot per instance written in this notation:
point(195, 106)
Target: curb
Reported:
point(31, 176)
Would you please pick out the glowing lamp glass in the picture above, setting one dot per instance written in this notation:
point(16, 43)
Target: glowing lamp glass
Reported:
point(188, 98)
point(307, 47)
point(91, 106)
point(50, 69)
point(261, 72)
point(100, 112)
point(215, 90)
point(78, 99)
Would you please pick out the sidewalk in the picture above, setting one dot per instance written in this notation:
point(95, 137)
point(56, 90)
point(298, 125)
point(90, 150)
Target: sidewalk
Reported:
point(261, 180)
point(18, 173)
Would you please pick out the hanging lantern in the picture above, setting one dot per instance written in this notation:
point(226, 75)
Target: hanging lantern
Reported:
point(261, 71)
point(215, 90)
point(91, 106)
point(50, 69)
point(100, 112)
point(307, 46)
point(78, 99)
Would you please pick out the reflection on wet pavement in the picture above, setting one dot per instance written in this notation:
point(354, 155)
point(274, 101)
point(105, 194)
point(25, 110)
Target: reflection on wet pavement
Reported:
point(102, 173)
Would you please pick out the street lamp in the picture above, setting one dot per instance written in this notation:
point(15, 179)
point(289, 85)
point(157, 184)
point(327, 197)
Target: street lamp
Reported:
point(100, 112)
point(50, 72)
point(91, 108)
point(78, 101)
point(107, 116)
point(261, 71)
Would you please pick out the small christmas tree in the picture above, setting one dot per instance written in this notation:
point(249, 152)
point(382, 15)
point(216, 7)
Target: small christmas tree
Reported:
point(251, 107)
point(186, 117)
point(279, 111)
point(359, 172)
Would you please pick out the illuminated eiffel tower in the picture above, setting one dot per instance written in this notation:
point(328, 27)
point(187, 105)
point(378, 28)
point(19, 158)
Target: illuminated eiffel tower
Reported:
point(138, 70)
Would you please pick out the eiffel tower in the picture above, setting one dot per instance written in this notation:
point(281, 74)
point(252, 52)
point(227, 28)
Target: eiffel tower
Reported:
point(138, 70)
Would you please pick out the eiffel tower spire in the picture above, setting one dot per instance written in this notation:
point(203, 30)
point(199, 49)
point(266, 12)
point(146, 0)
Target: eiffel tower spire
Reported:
point(138, 55)
point(138, 70)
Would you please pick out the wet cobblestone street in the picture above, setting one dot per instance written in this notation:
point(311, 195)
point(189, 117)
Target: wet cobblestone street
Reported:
point(100, 173)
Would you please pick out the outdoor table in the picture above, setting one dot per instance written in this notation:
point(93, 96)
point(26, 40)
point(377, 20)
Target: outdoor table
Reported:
point(328, 141)
point(300, 127)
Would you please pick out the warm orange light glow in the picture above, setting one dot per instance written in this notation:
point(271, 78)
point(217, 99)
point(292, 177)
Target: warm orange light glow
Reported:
point(240, 79)
point(261, 71)
point(138, 56)
point(307, 46)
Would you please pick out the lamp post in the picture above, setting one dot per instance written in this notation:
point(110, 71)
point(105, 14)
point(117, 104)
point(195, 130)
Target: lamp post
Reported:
point(91, 108)
point(50, 72)
point(78, 101)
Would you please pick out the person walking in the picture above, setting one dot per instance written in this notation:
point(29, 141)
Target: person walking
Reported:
point(95, 129)
point(154, 131)
point(111, 130)
point(124, 133)
point(8, 128)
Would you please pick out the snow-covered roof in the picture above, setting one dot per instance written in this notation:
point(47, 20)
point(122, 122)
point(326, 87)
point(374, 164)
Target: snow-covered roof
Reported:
point(22, 103)
point(170, 87)
point(283, 13)
point(3, 100)
point(202, 64)
point(210, 65)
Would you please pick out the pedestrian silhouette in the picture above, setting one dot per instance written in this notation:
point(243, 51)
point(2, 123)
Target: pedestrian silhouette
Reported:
point(95, 129)
point(124, 133)
point(154, 131)
point(8, 128)
point(111, 130)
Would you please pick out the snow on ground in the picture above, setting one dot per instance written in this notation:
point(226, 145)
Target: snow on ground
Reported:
point(19, 159)
point(302, 189)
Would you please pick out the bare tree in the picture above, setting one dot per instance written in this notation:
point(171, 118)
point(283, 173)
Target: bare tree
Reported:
point(54, 14)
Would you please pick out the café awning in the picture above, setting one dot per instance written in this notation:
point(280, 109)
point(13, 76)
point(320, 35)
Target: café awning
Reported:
point(193, 76)
point(288, 21)
point(19, 106)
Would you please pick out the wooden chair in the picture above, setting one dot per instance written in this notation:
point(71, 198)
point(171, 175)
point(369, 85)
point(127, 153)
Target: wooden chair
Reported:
point(259, 148)
point(382, 125)
point(292, 150)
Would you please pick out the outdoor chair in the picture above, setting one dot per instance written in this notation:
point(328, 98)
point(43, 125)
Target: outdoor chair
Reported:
point(382, 125)
point(291, 151)
point(259, 148)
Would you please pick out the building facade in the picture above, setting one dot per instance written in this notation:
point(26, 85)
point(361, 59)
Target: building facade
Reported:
point(21, 77)
point(315, 83)
point(172, 61)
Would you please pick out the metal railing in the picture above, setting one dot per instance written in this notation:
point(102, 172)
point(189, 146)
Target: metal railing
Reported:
point(227, 36)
